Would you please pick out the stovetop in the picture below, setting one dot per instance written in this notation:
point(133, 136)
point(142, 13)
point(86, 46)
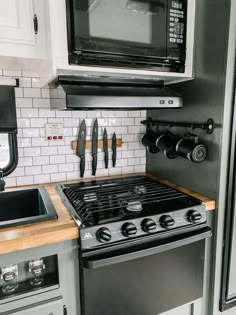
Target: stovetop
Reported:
point(106, 201)
point(116, 209)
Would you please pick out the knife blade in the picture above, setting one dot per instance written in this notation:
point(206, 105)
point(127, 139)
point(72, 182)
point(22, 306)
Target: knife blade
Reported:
point(105, 147)
point(114, 150)
point(81, 145)
point(94, 147)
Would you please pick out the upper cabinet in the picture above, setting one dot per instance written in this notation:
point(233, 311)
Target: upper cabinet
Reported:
point(23, 33)
point(62, 44)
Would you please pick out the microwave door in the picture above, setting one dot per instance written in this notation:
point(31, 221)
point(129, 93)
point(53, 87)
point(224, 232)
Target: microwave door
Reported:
point(124, 27)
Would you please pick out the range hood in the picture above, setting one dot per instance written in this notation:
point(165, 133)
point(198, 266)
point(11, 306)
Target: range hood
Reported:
point(90, 92)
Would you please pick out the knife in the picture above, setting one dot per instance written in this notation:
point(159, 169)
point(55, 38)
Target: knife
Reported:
point(94, 147)
point(105, 147)
point(81, 145)
point(114, 150)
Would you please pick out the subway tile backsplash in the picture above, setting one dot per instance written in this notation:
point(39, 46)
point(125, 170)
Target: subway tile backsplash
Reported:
point(41, 161)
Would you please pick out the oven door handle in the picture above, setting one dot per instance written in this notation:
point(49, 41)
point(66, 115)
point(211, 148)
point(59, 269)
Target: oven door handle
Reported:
point(117, 256)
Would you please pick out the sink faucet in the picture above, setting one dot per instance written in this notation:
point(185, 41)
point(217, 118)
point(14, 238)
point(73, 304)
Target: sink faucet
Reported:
point(2, 181)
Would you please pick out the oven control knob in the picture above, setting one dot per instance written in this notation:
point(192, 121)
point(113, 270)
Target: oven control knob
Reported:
point(129, 229)
point(103, 235)
point(166, 221)
point(194, 216)
point(148, 225)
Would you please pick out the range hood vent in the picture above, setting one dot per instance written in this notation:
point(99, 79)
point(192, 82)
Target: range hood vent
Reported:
point(89, 92)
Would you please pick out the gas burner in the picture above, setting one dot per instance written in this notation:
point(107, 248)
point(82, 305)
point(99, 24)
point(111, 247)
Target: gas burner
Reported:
point(134, 206)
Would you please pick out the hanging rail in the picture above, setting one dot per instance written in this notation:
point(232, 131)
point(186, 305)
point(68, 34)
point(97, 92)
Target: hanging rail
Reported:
point(208, 126)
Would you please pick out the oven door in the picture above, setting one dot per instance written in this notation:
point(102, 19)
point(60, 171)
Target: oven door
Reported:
point(144, 279)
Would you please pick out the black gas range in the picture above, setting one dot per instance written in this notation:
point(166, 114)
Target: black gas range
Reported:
point(141, 244)
point(109, 211)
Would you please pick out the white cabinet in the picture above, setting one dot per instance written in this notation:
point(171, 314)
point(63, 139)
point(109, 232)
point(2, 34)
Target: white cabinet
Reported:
point(20, 44)
point(16, 22)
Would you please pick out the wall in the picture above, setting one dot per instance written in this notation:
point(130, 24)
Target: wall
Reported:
point(203, 99)
point(44, 162)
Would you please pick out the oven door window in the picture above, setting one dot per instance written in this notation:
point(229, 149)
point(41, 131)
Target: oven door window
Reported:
point(127, 27)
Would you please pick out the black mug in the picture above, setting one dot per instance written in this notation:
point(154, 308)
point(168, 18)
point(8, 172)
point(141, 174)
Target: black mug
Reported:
point(191, 150)
point(149, 141)
point(166, 143)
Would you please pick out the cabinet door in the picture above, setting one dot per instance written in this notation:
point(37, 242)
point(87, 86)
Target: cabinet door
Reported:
point(51, 308)
point(16, 22)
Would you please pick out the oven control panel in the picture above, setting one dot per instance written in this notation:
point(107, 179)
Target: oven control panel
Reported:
point(118, 231)
point(177, 21)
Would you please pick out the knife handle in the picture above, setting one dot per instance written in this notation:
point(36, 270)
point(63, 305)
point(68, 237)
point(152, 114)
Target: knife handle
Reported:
point(82, 165)
point(94, 164)
point(106, 159)
point(114, 157)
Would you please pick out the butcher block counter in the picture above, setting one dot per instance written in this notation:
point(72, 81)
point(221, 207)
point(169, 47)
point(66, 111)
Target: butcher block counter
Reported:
point(64, 228)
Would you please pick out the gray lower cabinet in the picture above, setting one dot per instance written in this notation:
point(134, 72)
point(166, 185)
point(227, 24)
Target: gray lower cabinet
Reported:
point(47, 308)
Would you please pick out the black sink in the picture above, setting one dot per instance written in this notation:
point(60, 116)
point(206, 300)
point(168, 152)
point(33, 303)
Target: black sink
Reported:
point(25, 206)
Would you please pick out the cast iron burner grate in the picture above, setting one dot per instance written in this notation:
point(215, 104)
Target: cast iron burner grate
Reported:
point(104, 201)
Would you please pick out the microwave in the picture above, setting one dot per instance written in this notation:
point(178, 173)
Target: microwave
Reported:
point(136, 34)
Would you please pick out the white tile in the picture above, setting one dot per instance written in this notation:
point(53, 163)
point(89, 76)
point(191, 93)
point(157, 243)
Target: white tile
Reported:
point(57, 103)
point(42, 179)
point(71, 122)
point(47, 113)
point(49, 169)
point(57, 159)
point(122, 162)
point(41, 102)
point(128, 138)
point(63, 114)
point(143, 113)
point(24, 102)
point(33, 170)
point(134, 161)
point(29, 112)
point(35, 82)
point(30, 132)
point(25, 180)
point(134, 113)
point(115, 171)
point(72, 159)
point(68, 132)
point(139, 153)
point(60, 177)
point(65, 149)
point(127, 170)
point(127, 121)
point(127, 154)
point(18, 113)
point(49, 150)
point(102, 172)
point(69, 167)
point(134, 129)
point(140, 168)
point(108, 113)
point(120, 113)
point(19, 171)
point(45, 93)
point(10, 182)
point(41, 160)
point(114, 121)
point(25, 161)
point(137, 121)
point(32, 92)
point(30, 74)
point(23, 122)
point(134, 146)
point(25, 82)
point(39, 142)
point(94, 114)
point(38, 122)
point(143, 160)
point(18, 92)
point(24, 142)
point(12, 73)
point(80, 113)
point(32, 151)
point(72, 175)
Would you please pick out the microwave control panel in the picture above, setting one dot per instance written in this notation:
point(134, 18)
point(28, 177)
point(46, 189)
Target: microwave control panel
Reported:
point(177, 22)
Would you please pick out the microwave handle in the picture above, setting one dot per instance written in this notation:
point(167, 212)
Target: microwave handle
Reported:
point(115, 257)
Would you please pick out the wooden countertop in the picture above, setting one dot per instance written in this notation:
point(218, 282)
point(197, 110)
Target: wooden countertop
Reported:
point(63, 229)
